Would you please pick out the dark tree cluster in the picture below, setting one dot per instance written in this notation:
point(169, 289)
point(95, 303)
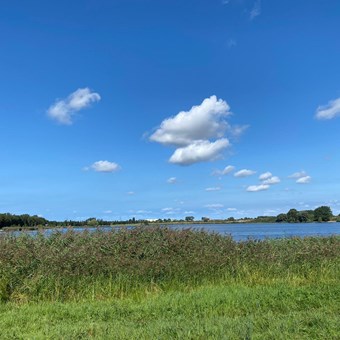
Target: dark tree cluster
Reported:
point(8, 220)
point(321, 214)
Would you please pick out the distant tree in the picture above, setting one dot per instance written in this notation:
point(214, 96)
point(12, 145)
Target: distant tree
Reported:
point(281, 218)
point(92, 222)
point(323, 214)
point(231, 219)
point(292, 216)
point(205, 219)
point(189, 218)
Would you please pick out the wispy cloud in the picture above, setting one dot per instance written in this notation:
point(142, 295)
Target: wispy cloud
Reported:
point(244, 173)
point(214, 206)
point(213, 189)
point(301, 177)
point(298, 174)
point(329, 111)
point(256, 10)
point(104, 166)
point(304, 180)
point(64, 110)
point(171, 180)
point(227, 170)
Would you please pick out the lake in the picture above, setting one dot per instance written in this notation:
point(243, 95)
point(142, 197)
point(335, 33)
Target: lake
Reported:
point(239, 232)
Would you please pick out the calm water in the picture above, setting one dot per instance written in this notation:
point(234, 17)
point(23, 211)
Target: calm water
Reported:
point(242, 231)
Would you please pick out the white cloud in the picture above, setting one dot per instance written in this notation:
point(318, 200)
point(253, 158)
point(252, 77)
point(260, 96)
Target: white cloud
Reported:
point(272, 180)
point(108, 212)
point(244, 173)
point(213, 189)
point(227, 170)
point(298, 174)
point(255, 188)
point(329, 111)
point(199, 151)
point(304, 180)
point(167, 209)
point(265, 176)
point(214, 206)
point(171, 180)
point(198, 134)
point(201, 122)
point(232, 209)
point(105, 166)
point(63, 110)
point(130, 193)
point(256, 10)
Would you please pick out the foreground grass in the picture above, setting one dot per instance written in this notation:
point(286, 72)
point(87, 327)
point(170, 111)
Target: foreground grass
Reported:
point(167, 284)
point(272, 311)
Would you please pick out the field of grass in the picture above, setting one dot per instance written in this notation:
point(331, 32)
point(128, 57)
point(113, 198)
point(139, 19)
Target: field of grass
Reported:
point(160, 283)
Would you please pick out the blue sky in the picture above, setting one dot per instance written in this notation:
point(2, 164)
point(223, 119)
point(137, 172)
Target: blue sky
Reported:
point(147, 109)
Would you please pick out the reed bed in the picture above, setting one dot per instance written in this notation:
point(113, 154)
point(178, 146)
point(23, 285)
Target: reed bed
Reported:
point(100, 265)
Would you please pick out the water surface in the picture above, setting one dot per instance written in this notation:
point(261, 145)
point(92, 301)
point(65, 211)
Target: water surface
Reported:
point(238, 231)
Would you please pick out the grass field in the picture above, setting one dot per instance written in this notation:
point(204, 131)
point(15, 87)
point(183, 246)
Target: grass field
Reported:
point(157, 283)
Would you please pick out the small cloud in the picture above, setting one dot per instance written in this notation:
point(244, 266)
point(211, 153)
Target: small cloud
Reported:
point(256, 188)
point(265, 176)
point(329, 111)
point(231, 209)
point(171, 180)
point(214, 206)
point(272, 180)
point(63, 110)
point(225, 2)
point(256, 10)
point(298, 174)
point(244, 173)
point(130, 193)
point(213, 189)
point(108, 212)
point(167, 209)
point(105, 166)
point(227, 170)
point(304, 180)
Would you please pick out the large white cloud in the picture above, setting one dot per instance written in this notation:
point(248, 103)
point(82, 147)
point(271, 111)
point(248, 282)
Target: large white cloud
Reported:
point(105, 166)
point(201, 122)
point(329, 111)
point(199, 151)
point(63, 110)
point(260, 187)
point(198, 134)
point(244, 173)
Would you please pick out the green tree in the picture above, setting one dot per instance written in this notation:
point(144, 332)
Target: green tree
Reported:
point(189, 218)
point(281, 218)
point(323, 214)
point(292, 216)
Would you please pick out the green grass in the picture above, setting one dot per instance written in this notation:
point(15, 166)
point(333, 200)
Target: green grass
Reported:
point(157, 283)
point(276, 311)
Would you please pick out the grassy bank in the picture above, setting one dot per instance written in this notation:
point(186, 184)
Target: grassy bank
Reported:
point(157, 282)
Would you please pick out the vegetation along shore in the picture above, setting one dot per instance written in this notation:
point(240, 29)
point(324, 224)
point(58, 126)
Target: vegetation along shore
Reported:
point(152, 282)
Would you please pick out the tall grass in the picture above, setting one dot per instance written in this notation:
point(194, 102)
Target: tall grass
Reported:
point(77, 266)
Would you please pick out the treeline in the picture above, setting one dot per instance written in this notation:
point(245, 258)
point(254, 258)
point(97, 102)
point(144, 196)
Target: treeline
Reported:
point(320, 214)
point(9, 220)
